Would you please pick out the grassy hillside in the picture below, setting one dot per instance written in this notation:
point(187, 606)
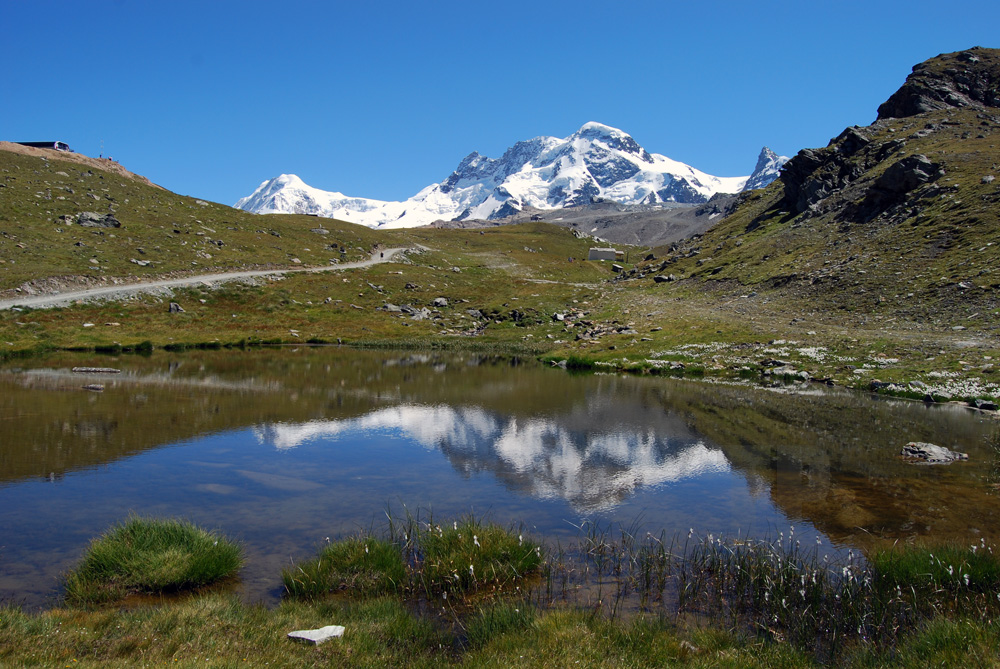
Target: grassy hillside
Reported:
point(882, 246)
point(496, 282)
point(168, 233)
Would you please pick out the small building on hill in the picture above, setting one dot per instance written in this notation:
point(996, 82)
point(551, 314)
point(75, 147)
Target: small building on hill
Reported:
point(605, 254)
point(58, 146)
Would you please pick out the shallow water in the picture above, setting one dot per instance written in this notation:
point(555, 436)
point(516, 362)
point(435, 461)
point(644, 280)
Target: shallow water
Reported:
point(284, 448)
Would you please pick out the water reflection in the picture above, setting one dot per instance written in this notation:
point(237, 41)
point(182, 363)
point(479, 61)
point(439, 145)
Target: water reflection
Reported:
point(282, 448)
point(594, 469)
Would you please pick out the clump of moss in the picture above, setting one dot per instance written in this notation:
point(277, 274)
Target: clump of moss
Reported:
point(146, 555)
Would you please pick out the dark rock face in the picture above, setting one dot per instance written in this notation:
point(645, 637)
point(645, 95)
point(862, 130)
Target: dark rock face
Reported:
point(680, 191)
point(962, 79)
point(509, 208)
point(813, 174)
point(608, 170)
point(908, 173)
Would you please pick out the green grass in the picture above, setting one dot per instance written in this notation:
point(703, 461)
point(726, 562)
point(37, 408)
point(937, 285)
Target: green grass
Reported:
point(473, 555)
point(420, 559)
point(933, 574)
point(499, 618)
point(362, 566)
point(150, 556)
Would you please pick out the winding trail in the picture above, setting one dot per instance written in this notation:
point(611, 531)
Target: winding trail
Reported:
point(131, 289)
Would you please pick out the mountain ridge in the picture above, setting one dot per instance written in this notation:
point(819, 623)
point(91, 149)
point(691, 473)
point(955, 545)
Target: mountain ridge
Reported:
point(597, 162)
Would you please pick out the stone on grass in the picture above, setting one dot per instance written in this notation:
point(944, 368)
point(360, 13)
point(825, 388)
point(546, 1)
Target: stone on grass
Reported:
point(931, 454)
point(317, 636)
point(176, 308)
point(90, 219)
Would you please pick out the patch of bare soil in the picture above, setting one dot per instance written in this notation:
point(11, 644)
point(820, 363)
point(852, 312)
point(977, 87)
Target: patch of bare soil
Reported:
point(105, 164)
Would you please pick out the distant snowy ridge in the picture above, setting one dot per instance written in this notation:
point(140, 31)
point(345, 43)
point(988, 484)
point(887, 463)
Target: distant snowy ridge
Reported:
point(597, 162)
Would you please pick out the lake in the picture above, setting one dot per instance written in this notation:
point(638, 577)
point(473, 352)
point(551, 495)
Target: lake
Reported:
point(283, 448)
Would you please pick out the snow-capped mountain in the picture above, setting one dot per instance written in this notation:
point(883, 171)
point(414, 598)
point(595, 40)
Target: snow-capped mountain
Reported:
point(595, 162)
point(768, 168)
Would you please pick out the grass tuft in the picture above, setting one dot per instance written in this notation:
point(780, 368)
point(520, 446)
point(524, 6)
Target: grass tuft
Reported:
point(472, 555)
point(146, 555)
point(497, 619)
point(419, 558)
point(363, 566)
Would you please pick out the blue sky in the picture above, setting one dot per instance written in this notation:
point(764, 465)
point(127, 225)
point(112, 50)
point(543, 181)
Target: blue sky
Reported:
point(379, 99)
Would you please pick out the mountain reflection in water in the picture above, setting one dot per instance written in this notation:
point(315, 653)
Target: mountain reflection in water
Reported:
point(282, 448)
point(592, 469)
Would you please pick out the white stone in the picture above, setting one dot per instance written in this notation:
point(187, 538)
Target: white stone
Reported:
point(931, 453)
point(317, 636)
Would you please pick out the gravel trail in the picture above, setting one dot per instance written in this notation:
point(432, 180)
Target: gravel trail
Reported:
point(128, 290)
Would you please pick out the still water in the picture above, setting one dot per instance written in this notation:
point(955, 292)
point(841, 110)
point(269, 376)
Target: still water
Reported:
point(281, 449)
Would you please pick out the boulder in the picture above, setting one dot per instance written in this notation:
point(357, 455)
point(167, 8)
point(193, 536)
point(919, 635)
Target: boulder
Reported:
point(440, 302)
point(908, 173)
point(931, 454)
point(414, 313)
point(89, 219)
point(176, 308)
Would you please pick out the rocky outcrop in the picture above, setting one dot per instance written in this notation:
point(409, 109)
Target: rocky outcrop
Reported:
point(963, 79)
point(853, 159)
point(814, 174)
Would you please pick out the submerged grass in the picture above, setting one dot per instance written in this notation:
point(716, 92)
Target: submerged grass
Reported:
point(782, 591)
point(146, 555)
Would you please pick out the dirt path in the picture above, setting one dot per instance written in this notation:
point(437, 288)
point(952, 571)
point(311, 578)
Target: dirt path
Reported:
point(128, 290)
